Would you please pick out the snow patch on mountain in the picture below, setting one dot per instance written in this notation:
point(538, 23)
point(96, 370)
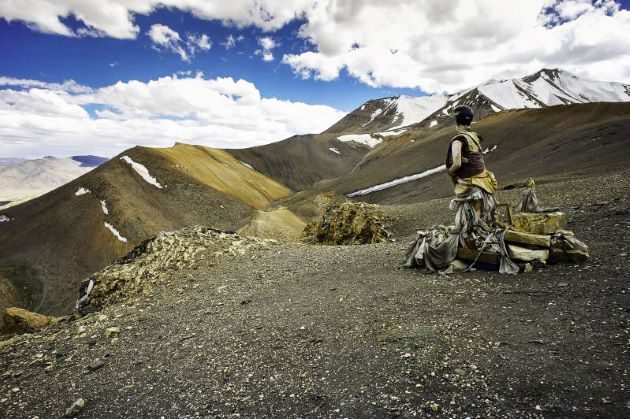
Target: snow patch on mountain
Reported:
point(374, 115)
point(104, 207)
point(115, 232)
point(396, 182)
point(4, 219)
point(586, 90)
point(507, 95)
point(391, 133)
point(82, 191)
point(412, 110)
point(334, 150)
point(365, 139)
point(142, 171)
point(549, 88)
point(247, 165)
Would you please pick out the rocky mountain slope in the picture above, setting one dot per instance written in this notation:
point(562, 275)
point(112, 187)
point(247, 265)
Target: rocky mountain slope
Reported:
point(547, 87)
point(301, 161)
point(49, 244)
point(286, 330)
point(557, 141)
point(21, 180)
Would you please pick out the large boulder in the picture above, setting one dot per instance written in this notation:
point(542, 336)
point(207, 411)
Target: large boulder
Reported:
point(20, 319)
point(348, 223)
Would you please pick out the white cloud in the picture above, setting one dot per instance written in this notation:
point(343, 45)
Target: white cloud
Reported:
point(164, 37)
point(267, 44)
point(221, 112)
point(201, 42)
point(231, 40)
point(453, 44)
point(69, 86)
point(432, 45)
point(115, 18)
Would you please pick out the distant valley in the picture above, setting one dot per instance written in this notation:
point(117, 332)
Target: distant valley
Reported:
point(24, 179)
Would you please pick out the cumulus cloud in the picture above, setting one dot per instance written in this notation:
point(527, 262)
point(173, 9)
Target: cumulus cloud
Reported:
point(267, 44)
point(38, 118)
point(69, 86)
point(431, 45)
point(196, 43)
point(166, 38)
point(559, 11)
point(453, 44)
point(115, 18)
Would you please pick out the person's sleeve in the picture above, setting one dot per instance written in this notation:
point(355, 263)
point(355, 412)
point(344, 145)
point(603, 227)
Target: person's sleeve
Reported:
point(456, 155)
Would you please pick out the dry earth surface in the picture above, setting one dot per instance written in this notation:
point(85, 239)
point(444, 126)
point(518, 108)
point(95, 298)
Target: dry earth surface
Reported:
point(295, 330)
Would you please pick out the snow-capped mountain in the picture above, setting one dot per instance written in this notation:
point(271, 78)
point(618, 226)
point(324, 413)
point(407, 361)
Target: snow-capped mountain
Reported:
point(27, 179)
point(544, 88)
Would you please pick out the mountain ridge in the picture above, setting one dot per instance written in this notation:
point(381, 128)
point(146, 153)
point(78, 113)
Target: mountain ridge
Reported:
point(546, 87)
point(83, 225)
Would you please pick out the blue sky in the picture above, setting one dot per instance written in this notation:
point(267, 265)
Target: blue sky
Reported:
point(296, 68)
point(99, 62)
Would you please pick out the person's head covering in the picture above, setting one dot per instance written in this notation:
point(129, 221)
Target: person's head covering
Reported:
point(463, 115)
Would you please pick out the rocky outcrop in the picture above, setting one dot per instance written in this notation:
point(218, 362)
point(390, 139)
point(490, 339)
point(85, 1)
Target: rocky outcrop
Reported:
point(348, 223)
point(155, 260)
point(20, 319)
point(279, 224)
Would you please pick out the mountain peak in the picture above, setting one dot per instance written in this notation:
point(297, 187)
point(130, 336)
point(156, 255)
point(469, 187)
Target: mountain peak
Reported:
point(546, 87)
point(550, 74)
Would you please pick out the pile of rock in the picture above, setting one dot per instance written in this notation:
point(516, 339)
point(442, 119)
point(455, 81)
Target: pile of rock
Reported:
point(536, 238)
point(154, 261)
point(348, 223)
point(532, 237)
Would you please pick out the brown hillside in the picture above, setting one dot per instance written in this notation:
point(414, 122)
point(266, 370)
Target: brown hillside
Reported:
point(62, 237)
point(554, 141)
point(301, 161)
point(219, 170)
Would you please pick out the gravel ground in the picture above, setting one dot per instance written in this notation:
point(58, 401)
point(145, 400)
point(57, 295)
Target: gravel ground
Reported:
point(331, 331)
